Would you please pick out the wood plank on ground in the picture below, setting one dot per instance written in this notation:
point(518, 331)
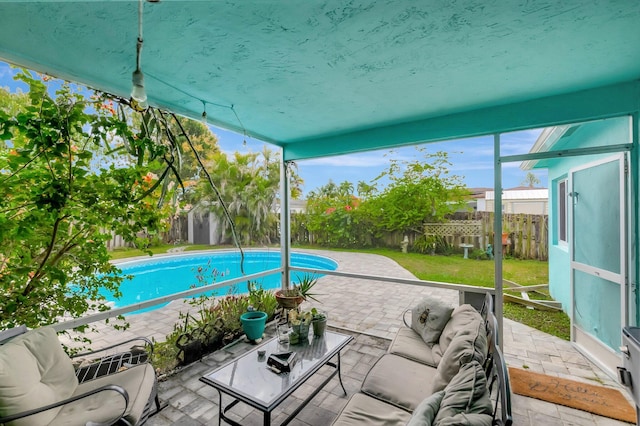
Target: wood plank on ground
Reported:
point(543, 305)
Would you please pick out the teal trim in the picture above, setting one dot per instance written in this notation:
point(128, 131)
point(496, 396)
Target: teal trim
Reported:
point(594, 104)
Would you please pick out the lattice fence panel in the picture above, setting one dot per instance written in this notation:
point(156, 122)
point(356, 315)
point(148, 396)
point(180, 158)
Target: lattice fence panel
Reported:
point(463, 228)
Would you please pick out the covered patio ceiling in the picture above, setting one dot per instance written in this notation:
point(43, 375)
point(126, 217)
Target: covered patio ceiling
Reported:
point(332, 77)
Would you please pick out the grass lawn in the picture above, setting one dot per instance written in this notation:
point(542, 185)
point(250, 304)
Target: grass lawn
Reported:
point(123, 253)
point(456, 270)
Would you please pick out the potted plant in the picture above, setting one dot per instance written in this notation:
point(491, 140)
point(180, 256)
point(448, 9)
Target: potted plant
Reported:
point(291, 298)
point(253, 324)
point(300, 322)
point(319, 322)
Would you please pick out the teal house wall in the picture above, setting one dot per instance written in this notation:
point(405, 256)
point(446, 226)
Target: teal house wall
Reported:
point(587, 135)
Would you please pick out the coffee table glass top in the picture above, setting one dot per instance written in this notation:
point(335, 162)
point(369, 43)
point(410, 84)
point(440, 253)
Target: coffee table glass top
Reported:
point(250, 376)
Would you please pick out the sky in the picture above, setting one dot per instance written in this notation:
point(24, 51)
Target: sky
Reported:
point(472, 159)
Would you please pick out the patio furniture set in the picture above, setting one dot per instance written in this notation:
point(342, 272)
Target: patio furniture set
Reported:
point(441, 369)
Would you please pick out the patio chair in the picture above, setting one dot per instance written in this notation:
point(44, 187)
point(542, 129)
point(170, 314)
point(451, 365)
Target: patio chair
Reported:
point(40, 385)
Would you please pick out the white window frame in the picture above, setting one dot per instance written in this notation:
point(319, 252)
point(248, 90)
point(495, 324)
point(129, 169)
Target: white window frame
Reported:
point(563, 220)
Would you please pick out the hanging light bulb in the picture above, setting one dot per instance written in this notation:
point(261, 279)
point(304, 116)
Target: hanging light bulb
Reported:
point(138, 94)
point(204, 113)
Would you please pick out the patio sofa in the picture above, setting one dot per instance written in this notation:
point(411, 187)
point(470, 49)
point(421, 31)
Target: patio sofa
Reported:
point(441, 375)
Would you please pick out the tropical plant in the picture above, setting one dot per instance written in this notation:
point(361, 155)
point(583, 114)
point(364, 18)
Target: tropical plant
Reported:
point(249, 183)
point(58, 204)
point(303, 287)
point(317, 315)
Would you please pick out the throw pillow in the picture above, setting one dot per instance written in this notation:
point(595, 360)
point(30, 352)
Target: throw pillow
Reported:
point(466, 393)
point(469, 344)
point(428, 319)
point(425, 413)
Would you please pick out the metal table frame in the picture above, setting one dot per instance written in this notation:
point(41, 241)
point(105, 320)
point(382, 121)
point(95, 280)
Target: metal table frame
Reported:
point(267, 410)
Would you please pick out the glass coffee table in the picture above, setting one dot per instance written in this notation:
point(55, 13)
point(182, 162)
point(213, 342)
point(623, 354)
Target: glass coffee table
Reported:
point(248, 379)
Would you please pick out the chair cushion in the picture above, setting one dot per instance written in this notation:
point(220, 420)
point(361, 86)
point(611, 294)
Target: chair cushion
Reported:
point(399, 381)
point(466, 393)
point(425, 413)
point(139, 382)
point(407, 343)
point(365, 410)
point(34, 371)
point(429, 317)
point(466, 419)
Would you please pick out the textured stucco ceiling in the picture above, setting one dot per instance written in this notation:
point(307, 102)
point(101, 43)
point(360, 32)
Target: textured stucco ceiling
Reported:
point(323, 77)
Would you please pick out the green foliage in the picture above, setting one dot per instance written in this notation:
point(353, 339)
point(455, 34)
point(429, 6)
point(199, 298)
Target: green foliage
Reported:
point(419, 191)
point(302, 287)
point(335, 219)
point(530, 180)
point(425, 244)
point(59, 204)
point(249, 184)
point(262, 300)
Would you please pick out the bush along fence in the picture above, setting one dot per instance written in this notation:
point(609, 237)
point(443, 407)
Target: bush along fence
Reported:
point(524, 236)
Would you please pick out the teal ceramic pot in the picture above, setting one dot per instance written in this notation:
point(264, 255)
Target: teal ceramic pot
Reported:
point(253, 324)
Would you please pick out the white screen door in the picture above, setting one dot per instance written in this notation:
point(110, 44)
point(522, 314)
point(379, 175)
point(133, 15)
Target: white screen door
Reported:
point(597, 201)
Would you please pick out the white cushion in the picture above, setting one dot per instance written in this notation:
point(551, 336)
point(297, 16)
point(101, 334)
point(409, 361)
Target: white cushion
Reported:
point(34, 371)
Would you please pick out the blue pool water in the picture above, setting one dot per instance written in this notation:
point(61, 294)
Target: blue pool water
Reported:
point(157, 277)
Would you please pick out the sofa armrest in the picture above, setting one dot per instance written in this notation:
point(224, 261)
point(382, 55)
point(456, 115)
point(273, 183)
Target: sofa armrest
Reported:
point(107, 388)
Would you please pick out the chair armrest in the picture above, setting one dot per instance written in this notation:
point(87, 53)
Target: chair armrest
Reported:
point(135, 339)
point(114, 388)
point(109, 364)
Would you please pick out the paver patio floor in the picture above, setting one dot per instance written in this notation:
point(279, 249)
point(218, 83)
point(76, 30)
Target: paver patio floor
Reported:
point(372, 312)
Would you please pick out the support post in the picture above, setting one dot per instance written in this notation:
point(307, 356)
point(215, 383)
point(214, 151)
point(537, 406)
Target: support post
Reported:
point(497, 234)
point(285, 223)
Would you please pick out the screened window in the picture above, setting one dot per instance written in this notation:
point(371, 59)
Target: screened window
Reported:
point(562, 211)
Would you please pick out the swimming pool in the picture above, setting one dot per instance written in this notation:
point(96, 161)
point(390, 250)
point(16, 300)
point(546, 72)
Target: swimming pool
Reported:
point(157, 277)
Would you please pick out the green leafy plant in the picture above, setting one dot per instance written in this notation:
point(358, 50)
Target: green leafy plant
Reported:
point(303, 287)
point(262, 300)
point(66, 184)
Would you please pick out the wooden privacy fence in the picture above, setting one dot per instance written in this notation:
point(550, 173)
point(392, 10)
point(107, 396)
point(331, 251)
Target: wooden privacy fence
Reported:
point(524, 236)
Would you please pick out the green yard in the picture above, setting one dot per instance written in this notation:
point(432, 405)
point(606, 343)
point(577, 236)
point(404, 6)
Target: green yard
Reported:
point(455, 269)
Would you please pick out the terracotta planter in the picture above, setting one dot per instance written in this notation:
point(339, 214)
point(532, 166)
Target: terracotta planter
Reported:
point(288, 302)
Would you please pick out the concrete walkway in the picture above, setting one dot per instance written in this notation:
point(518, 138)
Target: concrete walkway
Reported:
point(372, 312)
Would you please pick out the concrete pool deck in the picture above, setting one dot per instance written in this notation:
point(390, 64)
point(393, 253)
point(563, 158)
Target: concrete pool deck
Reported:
point(372, 311)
